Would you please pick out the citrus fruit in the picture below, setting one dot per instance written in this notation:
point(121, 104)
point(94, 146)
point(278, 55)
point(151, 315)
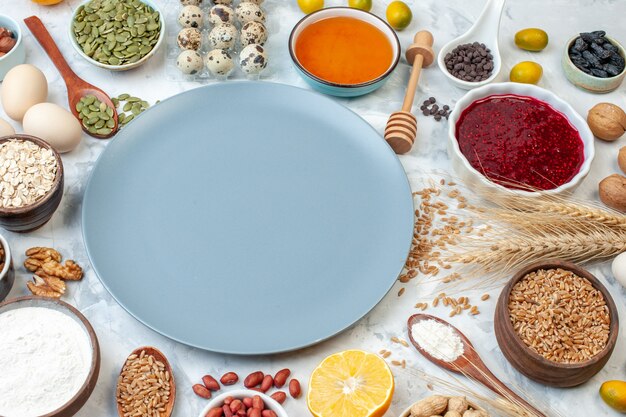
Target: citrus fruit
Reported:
point(310, 6)
point(526, 72)
point(531, 39)
point(399, 15)
point(351, 383)
point(361, 4)
point(47, 2)
point(614, 394)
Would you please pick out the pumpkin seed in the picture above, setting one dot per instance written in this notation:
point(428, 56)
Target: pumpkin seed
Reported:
point(96, 116)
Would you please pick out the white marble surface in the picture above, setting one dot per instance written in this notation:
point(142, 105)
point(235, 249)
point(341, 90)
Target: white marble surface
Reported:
point(119, 333)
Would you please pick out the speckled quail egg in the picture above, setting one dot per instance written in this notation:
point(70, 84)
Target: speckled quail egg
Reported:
point(219, 62)
point(220, 14)
point(189, 38)
point(191, 2)
point(189, 62)
point(190, 17)
point(226, 2)
point(249, 12)
point(253, 59)
point(223, 36)
point(254, 1)
point(253, 32)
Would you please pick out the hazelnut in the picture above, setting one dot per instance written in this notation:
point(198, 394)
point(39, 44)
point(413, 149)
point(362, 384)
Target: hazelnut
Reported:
point(5, 33)
point(607, 121)
point(621, 159)
point(6, 44)
point(612, 192)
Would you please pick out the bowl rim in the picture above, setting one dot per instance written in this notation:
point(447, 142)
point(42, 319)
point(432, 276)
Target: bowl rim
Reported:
point(590, 77)
point(244, 392)
point(469, 85)
point(57, 180)
point(124, 67)
point(376, 80)
point(581, 272)
point(94, 368)
point(7, 257)
point(538, 93)
point(18, 36)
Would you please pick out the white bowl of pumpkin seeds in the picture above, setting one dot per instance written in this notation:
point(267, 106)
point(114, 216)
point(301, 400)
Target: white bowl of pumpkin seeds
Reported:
point(117, 35)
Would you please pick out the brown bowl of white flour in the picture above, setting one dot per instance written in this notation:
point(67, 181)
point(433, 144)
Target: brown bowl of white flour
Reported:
point(50, 358)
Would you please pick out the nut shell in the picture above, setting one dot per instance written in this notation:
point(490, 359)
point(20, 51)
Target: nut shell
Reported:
point(607, 121)
point(621, 159)
point(612, 192)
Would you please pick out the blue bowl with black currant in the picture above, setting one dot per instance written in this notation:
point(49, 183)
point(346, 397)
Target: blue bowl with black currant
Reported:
point(595, 62)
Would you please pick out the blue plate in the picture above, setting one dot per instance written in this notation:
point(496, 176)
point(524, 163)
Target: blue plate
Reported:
point(248, 218)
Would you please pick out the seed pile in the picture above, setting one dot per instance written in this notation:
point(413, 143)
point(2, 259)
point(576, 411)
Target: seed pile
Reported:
point(27, 173)
point(95, 115)
point(143, 388)
point(456, 305)
point(129, 107)
point(594, 54)
point(116, 32)
point(257, 381)
point(471, 62)
point(560, 315)
point(430, 108)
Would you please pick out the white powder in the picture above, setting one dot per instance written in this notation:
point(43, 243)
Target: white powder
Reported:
point(45, 358)
point(437, 339)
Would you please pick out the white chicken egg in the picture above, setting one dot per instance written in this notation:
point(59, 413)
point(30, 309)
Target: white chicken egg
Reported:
point(53, 124)
point(619, 268)
point(23, 87)
point(5, 128)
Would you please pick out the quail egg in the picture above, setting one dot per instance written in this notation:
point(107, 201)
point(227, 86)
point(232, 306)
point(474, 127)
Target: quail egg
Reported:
point(189, 62)
point(220, 14)
point(190, 2)
point(253, 59)
point(253, 32)
point(189, 38)
point(223, 36)
point(255, 1)
point(226, 2)
point(219, 63)
point(190, 17)
point(249, 12)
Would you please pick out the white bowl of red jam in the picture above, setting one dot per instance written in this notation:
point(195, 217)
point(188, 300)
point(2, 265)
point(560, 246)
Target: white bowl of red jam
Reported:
point(519, 138)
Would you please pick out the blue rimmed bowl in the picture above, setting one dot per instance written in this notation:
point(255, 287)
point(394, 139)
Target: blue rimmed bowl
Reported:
point(17, 55)
point(344, 90)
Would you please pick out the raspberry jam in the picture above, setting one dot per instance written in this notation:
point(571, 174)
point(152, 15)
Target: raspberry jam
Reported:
point(520, 142)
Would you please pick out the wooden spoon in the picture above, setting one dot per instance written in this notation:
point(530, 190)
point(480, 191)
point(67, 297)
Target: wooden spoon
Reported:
point(469, 364)
point(159, 356)
point(77, 88)
point(401, 128)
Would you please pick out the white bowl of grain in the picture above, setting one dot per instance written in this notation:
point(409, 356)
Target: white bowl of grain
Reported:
point(38, 172)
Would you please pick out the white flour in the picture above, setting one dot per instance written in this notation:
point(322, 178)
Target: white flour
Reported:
point(45, 357)
point(438, 339)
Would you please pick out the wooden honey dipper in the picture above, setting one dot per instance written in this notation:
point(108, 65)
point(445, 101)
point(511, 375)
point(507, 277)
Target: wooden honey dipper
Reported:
point(402, 125)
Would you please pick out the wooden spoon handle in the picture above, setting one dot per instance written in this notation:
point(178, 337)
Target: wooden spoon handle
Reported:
point(415, 76)
point(489, 380)
point(50, 47)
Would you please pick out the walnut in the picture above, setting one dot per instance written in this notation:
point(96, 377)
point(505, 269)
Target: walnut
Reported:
point(38, 286)
point(607, 121)
point(43, 254)
point(32, 264)
point(612, 191)
point(70, 271)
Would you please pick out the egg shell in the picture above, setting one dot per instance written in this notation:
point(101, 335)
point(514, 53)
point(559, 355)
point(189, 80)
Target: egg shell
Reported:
point(619, 268)
point(249, 12)
point(220, 14)
point(5, 128)
point(223, 36)
point(53, 124)
point(23, 87)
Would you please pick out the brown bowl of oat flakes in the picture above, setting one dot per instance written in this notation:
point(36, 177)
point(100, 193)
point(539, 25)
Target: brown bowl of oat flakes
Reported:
point(556, 323)
point(31, 182)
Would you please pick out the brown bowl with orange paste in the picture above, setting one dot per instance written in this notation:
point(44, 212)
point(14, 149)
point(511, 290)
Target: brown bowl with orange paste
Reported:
point(343, 51)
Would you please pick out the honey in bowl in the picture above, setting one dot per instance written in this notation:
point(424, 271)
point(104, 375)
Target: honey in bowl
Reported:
point(344, 50)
